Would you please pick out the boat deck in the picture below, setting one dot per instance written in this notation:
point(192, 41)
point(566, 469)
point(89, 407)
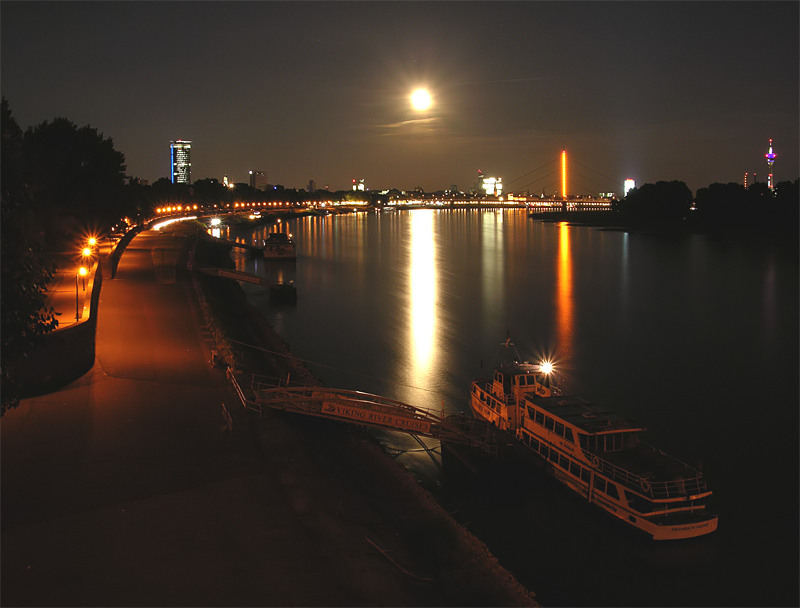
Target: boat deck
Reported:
point(585, 415)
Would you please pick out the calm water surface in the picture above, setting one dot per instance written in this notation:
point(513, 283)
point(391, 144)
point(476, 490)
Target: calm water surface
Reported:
point(695, 339)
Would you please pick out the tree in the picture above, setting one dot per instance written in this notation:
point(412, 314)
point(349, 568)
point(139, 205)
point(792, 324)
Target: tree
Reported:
point(75, 175)
point(722, 206)
point(25, 271)
point(663, 204)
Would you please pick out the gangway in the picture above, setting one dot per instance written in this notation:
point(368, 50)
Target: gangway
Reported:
point(234, 274)
point(369, 410)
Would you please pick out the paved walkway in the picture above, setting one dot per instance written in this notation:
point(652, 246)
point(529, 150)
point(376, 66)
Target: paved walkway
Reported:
point(125, 488)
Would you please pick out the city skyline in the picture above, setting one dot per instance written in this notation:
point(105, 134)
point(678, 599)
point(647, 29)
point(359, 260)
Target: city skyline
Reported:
point(322, 91)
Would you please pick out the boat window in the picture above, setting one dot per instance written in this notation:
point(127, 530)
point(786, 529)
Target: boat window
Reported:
point(613, 442)
point(548, 423)
point(574, 468)
point(531, 412)
point(539, 418)
point(588, 442)
point(564, 462)
point(534, 444)
point(611, 490)
point(600, 484)
point(568, 434)
point(559, 429)
point(545, 450)
point(585, 475)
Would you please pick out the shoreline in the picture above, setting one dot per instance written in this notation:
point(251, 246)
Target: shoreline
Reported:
point(423, 540)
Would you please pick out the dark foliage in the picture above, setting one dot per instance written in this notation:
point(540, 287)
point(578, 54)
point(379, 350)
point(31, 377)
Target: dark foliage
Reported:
point(25, 269)
point(660, 205)
point(724, 207)
point(74, 176)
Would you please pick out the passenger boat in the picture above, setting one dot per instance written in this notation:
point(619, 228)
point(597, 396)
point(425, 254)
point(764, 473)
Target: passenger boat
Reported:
point(595, 452)
point(279, 246)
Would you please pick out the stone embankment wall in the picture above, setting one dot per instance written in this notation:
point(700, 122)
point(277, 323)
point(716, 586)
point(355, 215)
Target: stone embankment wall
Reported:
point(64, 355)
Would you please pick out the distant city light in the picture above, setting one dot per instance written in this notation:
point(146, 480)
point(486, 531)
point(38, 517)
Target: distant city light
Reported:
point(493, 186)
point(160, 225)
point(629, 185)
point(770, 156)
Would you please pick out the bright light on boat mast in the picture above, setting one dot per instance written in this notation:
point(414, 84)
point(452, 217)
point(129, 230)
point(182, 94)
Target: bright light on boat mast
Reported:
point(547, 367)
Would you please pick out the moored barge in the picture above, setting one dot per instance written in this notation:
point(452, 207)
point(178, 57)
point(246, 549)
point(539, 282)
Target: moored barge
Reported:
point(595, 452)
point(279, 246)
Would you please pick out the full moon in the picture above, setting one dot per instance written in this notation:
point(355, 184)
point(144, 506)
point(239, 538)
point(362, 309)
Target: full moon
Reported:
point(420, 99)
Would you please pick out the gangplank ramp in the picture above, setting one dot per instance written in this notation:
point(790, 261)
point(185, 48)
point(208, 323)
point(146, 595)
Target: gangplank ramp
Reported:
point(376, 411)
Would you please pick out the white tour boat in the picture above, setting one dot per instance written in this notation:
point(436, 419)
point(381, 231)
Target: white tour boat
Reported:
point(595, 452)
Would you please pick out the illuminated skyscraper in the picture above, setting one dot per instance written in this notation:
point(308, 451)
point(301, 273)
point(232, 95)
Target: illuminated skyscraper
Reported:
point(181, 159)
point(492, 186)
point(770, 156)
point(629, 185)
point(258, 180)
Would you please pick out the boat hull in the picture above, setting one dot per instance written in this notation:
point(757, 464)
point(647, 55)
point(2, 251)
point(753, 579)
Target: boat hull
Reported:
point(280, 253)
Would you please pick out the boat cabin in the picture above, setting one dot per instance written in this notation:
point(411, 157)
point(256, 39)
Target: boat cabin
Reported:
point(514, 381)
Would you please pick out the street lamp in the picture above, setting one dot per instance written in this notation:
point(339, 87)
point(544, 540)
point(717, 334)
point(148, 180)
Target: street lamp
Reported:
point(81, 272)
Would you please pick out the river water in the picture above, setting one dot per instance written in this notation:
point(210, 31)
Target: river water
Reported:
point(696, 339)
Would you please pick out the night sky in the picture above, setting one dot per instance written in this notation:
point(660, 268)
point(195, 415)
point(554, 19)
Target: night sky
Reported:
point(305, 90)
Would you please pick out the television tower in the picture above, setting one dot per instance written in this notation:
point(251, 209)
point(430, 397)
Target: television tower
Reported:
point(770, 156)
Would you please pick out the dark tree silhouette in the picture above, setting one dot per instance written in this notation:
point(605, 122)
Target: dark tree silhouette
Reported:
point(75, 174)
point(25, 271)
point(663, 204)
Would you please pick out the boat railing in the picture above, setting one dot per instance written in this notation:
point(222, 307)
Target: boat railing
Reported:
point(655, 489)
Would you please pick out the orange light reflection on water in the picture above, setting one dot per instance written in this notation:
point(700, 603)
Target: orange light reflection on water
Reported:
point(564, 300)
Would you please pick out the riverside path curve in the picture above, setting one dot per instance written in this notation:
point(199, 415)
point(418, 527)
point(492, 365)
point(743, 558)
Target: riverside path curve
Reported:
point(126, 487)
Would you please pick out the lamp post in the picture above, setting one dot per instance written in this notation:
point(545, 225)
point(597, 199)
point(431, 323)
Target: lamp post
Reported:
point(81, 272)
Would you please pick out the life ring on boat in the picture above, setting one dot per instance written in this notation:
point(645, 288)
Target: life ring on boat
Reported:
point(594, 461)
point(645, 485)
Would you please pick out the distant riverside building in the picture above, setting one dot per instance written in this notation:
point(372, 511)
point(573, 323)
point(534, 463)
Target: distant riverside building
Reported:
point(492, 186)
point(629, 185)
point(312, 186)
point(180, 153)
point(258, 180)
point(359, 185)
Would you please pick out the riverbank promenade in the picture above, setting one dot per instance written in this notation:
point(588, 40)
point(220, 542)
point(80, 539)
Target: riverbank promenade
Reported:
point(129, 488)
